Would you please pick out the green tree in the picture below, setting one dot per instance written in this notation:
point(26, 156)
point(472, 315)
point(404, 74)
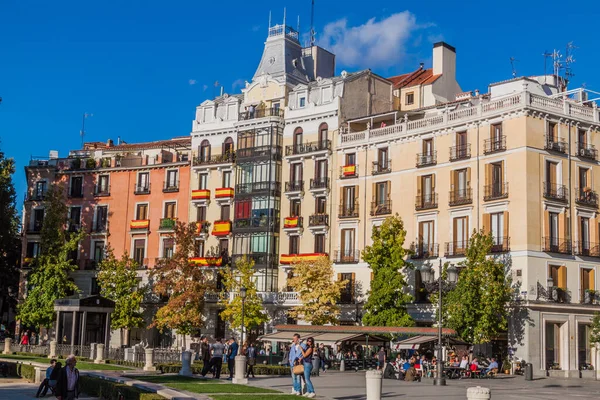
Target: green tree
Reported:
point(119, 282)
point(9, 236)
point(318, 292)
point(233, 279)
point(183, 283)
point(386, 305)
point(49, 278)
point(477, 308)
point(595, 330)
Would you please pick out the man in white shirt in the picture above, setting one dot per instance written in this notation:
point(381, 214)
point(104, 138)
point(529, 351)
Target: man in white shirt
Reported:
point(67, 387)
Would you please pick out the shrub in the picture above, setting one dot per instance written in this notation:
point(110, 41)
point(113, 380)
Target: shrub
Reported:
point(108, 390)
point(21, 370)
point(259, 369)
point(76, 163)
point(90, 163)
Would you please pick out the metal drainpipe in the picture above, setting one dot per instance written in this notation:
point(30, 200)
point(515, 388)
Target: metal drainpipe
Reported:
point(365, 195)
point(478, 180)
point(570, 182)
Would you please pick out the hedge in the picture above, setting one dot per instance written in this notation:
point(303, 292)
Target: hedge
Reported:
point(21, 370)
point(259, 369)
point(109, 390)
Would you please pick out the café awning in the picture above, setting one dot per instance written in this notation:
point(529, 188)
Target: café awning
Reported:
point(413, 343)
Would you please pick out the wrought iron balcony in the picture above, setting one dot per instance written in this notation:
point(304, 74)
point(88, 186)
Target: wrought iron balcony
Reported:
point(556, 192)
point(456, 249)
point(424, 250)
point(102, 191)
point(346, 256)
point(588, 151)
point(348, 211)
point(259, 152)
point(36, 196)
point(225, 158)
point(556, 245)
point(494, 145)
point(587, 249)
point(261, 113)
point(495, 191)
point(170, 187)
point(500, 244)
point(553, 294)
point(35, 227)
point(258, 188)
point(142, 189)
point(381, 207)
point(74, 225)
point(203, 227)
point(425, 159)
point(305, 148)
point(100, 227)
point(91, 265)
point(460, 197)
point(586, 197)
point(426, 201)
point(460, 152)
point(318, 220)
point(76, 193)
point(380, 167)
point(294, 186)
point(557, 145)
point(319, 183)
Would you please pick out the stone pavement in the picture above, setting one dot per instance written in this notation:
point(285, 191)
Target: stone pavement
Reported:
point(334, 385)
point(17, 389)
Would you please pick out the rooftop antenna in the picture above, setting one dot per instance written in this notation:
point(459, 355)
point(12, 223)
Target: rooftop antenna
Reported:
point(269, 20)
point(298, 25)
point(569, 61)
point(512, 64)
point(284, 16)
point(82, 133)
point(312, 24)
point(546, 56)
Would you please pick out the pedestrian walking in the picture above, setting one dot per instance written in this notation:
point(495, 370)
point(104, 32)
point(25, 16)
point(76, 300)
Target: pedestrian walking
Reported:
point(67, 387)
point(286, 356)
point(294, 357)
point(216, 361)
point(307, 359)
point(231, 353)
point(45, 385)
point(316, 363)
point(251, 360)
point(381, 358)
point(205, 354)
point(25, 339)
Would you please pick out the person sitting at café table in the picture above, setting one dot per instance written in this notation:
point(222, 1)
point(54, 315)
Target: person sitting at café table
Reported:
point(464, 362)
point(493, 365)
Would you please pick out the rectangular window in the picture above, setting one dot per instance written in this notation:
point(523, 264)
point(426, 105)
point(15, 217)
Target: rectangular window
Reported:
point(294, 245)
point(381, 193)
point(168, 247)
point(584, 347)
point(103, 183)
point(320, 243)
point(143, 181)
point(497, 228)
point(426, 237)
point(139, 251)
point(224, 247)
point(461, 233)
point(588, 283)
point(347, 244)
point(74, 217)
point(170, 210)
point(95, 287)
point(227, 179)
point(296, 172)
point(203, 181)
point(582, 138)
point(558, 273)
point(40, 189)
point(552, 132)
point(428, 147)
point(302, 102)
point(98, 251)
point(201, 216)
point(33, 249)
point(141, 211)
point(350, 159)
point(76, 186)
point(321, 205)
point(225, 212)
point(410, 98)
point(349, 197)
point(242, 209)
point(584, 234)
point(347, 295)
point(583, 178)
point(553, 228)
point(551, 168)
point(382, 159)
point(38, 219)
point(199, 250)
point(321, 170)
point(461, 139)
point(295, 208)
point(496, 133)
point(171, 179)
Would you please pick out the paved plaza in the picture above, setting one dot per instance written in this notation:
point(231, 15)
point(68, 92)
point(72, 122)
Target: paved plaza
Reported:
point(351, 386)
point(17, 389)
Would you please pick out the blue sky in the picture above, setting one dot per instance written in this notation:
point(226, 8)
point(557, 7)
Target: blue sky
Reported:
point(141, 67)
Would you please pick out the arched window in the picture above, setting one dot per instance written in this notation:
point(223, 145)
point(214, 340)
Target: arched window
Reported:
point(323, 128)
point(228, 146)
point(297, 140)
point(204, 153)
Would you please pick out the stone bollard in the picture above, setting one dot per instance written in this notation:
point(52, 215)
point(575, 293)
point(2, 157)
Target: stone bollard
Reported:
point(186, 363)
point(479, 393)
point(99, 354)
point(342, 365)
point(7, 343)
point(93, 351)
point(39, 375)
point(149, 360)
point(374, 384)
point(52, 354)
point(239, 371)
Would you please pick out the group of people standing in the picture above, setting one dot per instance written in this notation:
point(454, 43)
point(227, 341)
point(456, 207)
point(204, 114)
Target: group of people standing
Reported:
point(300, 357)
point(214, 355)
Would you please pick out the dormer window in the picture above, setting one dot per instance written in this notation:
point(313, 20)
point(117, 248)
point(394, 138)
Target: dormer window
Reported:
point(302, 102)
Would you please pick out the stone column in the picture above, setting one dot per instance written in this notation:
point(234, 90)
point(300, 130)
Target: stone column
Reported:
point(73, 332)
point(149, 360)
point(56, 337)
point(7, 343)
point(479, 393)
point(107, 331)
point(374, 384)
point(92, 351)
point(342, 365)
point(53, 344)
point(239, 372)
point(186, 363)
point(99, 354)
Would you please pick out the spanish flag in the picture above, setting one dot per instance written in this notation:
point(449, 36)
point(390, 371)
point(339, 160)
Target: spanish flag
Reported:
point(201, 194)
point(349, 170)
point(222, 228)
point(207, 261)
point(290, 222)
point(291, 258)
point(139, 224)
point(222, 193)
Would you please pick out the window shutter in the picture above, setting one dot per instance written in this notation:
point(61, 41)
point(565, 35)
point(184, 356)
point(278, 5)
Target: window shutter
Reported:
point(374, 185)
point(452, 180)
point(468, 177)
point(506, 231)
point(486, 221)
point(593, 232)
point(562, 226)
point(432, 183)
point(592, 279)
point(353, 285)
point(546, 223)
point(562, 277)
point(419, 185)
point(488, 174)
point(339, 277)
point(356, 194)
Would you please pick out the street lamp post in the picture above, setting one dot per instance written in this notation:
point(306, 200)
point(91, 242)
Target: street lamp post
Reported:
point(441, 286)
point(243, 292)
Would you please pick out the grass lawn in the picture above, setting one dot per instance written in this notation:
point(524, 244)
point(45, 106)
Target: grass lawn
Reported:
point(80, 365)
point(201, 385)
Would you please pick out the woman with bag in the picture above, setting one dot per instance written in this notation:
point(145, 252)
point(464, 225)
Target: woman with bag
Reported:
point(251, 355)
point(307, 360)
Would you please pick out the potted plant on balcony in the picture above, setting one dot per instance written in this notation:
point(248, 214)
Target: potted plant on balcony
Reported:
point(90, 163)
point(589, 296)
point(76, 163)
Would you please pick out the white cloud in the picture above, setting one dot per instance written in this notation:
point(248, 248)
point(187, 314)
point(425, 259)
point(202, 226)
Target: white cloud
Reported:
point(192, 81)
point(374, 44)
point(238, 83)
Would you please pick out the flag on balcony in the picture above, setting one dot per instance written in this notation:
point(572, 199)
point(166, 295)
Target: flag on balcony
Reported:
point(349, 170)
point(222, 228)
point(290, 258)
point(224, 193)
point(202, 194)
point(290, 222)
point(139, 224)
point(207, 261)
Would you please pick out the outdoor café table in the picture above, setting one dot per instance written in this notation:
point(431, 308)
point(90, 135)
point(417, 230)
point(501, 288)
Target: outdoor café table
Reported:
point(477, 373)
point(454, 372)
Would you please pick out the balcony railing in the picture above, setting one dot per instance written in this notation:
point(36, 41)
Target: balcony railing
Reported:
point(380, 167)
point(348, 211)
point(587, 249)
point(36, 196)
point(170, 187)
point(381, 207)
point(167, 224)
point(424, 250)
point(460, 197)
point(305, 148)
point(557, 245)
point(74, 225)
point(426, 201)
point(555, 144)
point(460, 152)
point(294, 186)
point(100, 227)
point(318, 220)
point(272, 152)
point(225, 158)
point(102, 191)
point(346, 256)
point(588, 151)
point(425, 159)
point(259, 224)
point(500, 244)
point(349, 171)
point(203, 227)
point(495, 191)
point(258, 188)
point(319, 183)
point(261, 113)
point(262, 259)
point(142, 189)
point(76, 194)
point(36, 227)
point(494, 145)
point(556, 192)
point(91, 265)
point(456, 249)
point(586, 197)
